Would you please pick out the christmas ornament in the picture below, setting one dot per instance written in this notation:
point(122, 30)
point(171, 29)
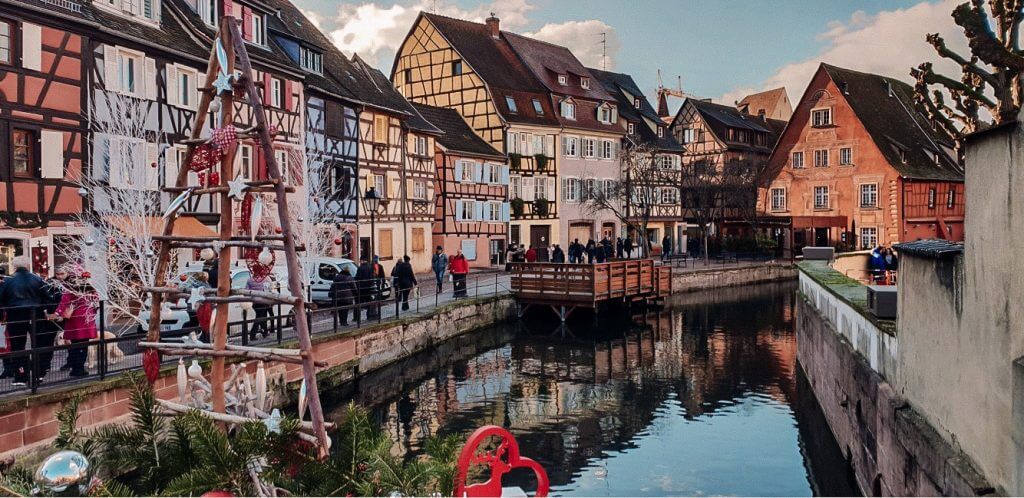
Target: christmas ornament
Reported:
point(215, 105)
point(265, 257)
point(62, 469)
point(273, 422)
point(237, 187)
point(177, 203)
point(213, 176)
point(183, 277)
point(278, 230)
point(204, 157)
point(223, 138)
point(303, 400)
point(194, 370)
point(89, 242)
point(151, 364)
point(261, 386)
point(182, 380)
point(337, 241)
point(256, 218)
point(82, 192)
point(207, 253)
point(222, 83)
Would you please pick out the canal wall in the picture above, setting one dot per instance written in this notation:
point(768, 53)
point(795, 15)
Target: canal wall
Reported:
point(28, 423)
point(851, 361)
point(684, 280)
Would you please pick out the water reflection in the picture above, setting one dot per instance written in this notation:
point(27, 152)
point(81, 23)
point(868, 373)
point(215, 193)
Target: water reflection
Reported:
point(699, 398)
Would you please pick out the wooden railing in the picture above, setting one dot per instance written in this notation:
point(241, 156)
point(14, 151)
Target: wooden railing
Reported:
point(583, 284)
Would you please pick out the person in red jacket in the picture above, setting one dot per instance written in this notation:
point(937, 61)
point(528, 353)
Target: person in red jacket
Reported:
point(531, 255)
point(459, 268)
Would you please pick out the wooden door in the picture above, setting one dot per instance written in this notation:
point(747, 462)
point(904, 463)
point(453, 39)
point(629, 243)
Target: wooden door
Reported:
point(540, 236)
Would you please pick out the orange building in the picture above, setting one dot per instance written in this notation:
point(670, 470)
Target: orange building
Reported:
point(858, 166)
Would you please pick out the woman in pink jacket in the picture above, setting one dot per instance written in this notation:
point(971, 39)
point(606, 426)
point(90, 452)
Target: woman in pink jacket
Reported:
point(78, 312)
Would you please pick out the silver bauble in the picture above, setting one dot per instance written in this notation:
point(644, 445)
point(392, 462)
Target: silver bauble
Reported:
point(82, 192)
point(89, 242)
point(215, 105)
point(63, 469)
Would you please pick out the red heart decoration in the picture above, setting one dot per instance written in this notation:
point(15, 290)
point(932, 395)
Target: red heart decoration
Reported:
point(501, 461)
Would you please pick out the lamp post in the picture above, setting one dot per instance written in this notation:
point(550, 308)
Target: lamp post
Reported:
point(371, 203)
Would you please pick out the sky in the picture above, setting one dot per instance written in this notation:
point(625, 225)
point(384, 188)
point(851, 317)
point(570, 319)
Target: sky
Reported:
point(722, 49)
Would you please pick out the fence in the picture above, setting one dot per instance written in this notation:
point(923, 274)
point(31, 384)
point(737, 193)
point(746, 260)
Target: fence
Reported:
point(42, 360)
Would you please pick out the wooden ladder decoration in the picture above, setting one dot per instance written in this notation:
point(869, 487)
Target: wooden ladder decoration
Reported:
point(220, 85)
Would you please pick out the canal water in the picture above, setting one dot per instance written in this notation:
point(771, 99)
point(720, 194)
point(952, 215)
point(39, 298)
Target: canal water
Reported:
point(700, 398)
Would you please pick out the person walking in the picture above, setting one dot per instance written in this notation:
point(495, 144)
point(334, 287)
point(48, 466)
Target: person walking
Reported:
point(627, 247)
point(54, 291)
point(364, 287)
point(77, 310)
point(618, 247)
point(460, 269)
point(531, 255)
point(666, 247)
point(510, 256)
point(22, 296)
point(343, 294)
point(590, 250)
point(405, 280)
point(439, 263)
point(557, 255)
point(599, 251)
point(263, 311)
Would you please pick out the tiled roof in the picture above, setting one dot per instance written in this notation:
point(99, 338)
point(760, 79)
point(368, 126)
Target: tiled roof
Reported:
point(458, 136)
point(931, 248)
point(885, 106)
point(547, 61)
point(719, 118)
point(766, 100)
point(622, 86)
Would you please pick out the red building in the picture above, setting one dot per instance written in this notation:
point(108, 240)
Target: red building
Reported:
point(858, 166)
point(470, 192)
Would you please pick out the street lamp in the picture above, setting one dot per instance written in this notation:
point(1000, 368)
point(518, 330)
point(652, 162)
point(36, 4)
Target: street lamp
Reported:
point(371, 203)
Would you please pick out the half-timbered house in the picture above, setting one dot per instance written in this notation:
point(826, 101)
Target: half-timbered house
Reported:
point(858, 166)
point(472, 68)
point(645, 131)
point(471, 209)
point(43, 66)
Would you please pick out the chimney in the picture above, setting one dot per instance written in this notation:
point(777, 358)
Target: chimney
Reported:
point(760, 114)
point(493, 26)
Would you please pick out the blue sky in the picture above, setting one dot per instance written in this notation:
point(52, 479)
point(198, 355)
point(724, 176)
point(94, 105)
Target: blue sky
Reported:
point(722, 49)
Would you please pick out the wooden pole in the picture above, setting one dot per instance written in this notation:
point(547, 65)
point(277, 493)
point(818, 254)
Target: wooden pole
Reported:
point(291, 256)
point(220, 325)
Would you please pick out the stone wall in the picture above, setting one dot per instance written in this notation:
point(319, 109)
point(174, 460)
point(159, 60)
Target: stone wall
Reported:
point(731, 276)
point(29, 422)
point(892, 449)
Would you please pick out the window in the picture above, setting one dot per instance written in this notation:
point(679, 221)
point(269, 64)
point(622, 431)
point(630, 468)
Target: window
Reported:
point(420, 146)
point(314, 61)
point(931, 198)
point(636, 102)
point(468, 211)
point(571, 146)
point(821, 158)
point(380, 185)
point(868, 237)
point(589, 147)
point(562, 80)
point(605, 151)
point(515, 187)
point(951, 197)
point(494, 211)
point(585, 83)
point(380, 129)
point(845, 156)
point(465, 171)
point(511, 103)
point(869, 195)
point(494, 172)
point(259, 34)
point(281, 156)
point(821, 117)
point(207, 10)
point(798, 160)
point(568, 109)
point(419, 190)
point(631, 128)
point(778, 199)
point(540, 188)
point(571, 189)
point(689, 134)
point(245, 161)
point(24, 149)
point(605, 115)
point(6, 42)
point(821, 197)
point(661, 132)
point(537, 108)
point(589, 191)
point(186, 88)
point(609, 187)
point(538, 144)
point(129, 72)
point(669, 195)
point(456, 68)
point(418, 241)
point(275, 92)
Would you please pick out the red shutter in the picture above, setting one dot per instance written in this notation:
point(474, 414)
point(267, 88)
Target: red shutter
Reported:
point(247, 23)
point(266, 89)
point(228, 9)
point(288, 103)
point(261, 164)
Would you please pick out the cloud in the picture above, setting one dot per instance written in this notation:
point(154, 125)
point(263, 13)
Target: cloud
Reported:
point(887, 43)
point(583, 38)
point(375, 31)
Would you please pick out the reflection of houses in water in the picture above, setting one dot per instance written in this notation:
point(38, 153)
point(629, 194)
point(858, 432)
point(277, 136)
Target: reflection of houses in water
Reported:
point(570, 400)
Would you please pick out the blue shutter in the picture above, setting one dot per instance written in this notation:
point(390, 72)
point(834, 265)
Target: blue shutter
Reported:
point(458, 210)
point(504, 175)
point(478, 172)
point(478, 210)
point(458, 171)
point(506, 215)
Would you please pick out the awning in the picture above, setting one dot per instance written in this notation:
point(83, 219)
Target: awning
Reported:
point(819, 222)
point(186, 226)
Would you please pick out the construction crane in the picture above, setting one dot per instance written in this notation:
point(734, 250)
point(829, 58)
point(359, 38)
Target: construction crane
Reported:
point(663, 94)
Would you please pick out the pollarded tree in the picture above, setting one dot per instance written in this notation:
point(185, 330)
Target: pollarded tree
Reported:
point(991, 75)
point(633, 197)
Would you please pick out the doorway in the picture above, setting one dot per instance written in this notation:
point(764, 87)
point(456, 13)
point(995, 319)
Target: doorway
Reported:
point(540, 238)
point(581, 231)
point(608, 231)
point(821, 237)
point(9, 249)
point(364, 247)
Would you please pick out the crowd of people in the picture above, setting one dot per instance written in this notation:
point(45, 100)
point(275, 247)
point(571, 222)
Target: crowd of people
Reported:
point(882, 265)
point(578, 252)
point(38, 313)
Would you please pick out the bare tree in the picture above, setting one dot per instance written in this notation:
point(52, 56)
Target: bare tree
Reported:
point(743, 180)
point(123, 213)
point(632, 199)
point(703, 187)
point(990, 77)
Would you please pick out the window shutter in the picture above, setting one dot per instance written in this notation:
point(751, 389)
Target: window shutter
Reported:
point(458, 171)
point(171, 84)
point(114, 156)
point(247, 23)
point(551, 189)
point(410, 189)
point(150, 78)
point(458, 210)
point(229, 9)
point(289, 104)
point(266, 89)
point(505, 212)
point(478, 173)
point(152, 173)
point(528, 191)
point(31, 46)
point(565, 190)
point(565, 146)
point(111, 76)
point(504, 175)
point(478, 210)
point(52, 145)
point(170, 167)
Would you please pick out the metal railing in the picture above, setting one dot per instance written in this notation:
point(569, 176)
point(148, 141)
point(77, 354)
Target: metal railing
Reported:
point(116, 349)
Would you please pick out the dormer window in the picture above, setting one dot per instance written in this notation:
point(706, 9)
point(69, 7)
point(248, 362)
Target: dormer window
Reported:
point(207, 10)
point(661, 132)
point(562, 79)
point(636, 102)
point(585, 83)
point(312, 61)
point(631, 128)
point(143, 9)
point(259, 30)
point(568, 109)
point(606, 114)
point(537, 108)
point(511, 103)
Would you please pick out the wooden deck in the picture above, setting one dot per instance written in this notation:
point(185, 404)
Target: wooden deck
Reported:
point(566, 287)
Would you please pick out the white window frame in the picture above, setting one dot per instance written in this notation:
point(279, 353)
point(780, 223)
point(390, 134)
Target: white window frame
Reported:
point(207, 11)
point(245, 161)
point(468, 207)
point(631, 128)
point(380, 184)
point(669, 196)
point(511, 104)
point(868, 234)
point(311, 60)
point(538, 108)
point(540, 189)
point(778, 198)
point(494, 171)
point(419, 190)
point(493, 212)
point(420, 146)
point(537, 144)
point(515, 187)
point(572, 189)
point(869, 195)
point(468, 169)
point(821, 117)
point(589, 147)
point(846, 156)
point(797, 159)
point(276, 93)
point(282, 156)
point(562, 79)
point(572, 146)
point(259, 29)
point(585, 83)
point(821, 197)
point(821, 158)
point(568, 109)
point(138, 72)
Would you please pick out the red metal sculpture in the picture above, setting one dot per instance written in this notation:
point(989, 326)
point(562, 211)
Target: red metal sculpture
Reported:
point(501, 461)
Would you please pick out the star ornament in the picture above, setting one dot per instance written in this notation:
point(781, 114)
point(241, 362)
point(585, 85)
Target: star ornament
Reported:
point(237, 187)
point(222, 83)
